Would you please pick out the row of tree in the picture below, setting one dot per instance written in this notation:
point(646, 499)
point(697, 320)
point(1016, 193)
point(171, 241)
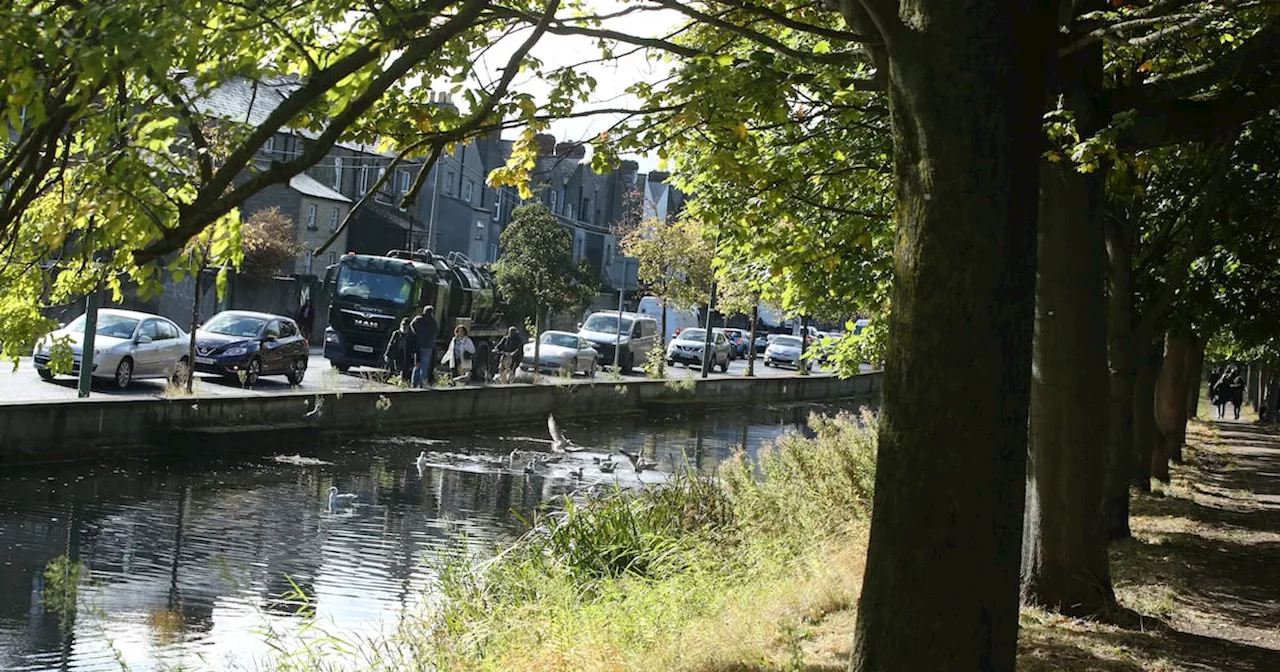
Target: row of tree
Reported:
point(1029, 193)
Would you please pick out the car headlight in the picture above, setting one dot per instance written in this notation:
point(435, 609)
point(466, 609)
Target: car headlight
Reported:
point(331, 336)
point(238, 350)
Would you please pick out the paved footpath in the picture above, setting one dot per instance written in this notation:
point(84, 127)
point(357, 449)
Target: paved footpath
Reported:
point(23, 385)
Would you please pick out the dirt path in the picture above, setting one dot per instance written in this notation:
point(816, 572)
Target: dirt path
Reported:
point(1203, 570)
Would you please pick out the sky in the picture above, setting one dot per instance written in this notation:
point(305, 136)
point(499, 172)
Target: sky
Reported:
point(612, 78)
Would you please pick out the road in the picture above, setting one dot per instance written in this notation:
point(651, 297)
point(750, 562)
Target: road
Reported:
point(23, 385)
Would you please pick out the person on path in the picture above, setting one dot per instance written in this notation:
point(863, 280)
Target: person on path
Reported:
point(306, 318)
point(1219, 393)
point(459, 355)
point(1214, 376)
point(425, 329)
point(511, 350)
point(1236, 387)
point(401, 355)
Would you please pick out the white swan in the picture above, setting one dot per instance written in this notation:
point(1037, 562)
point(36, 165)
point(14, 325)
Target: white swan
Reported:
point(421, 462)
point(559, 442)
point(336, 500)
point(607, 466)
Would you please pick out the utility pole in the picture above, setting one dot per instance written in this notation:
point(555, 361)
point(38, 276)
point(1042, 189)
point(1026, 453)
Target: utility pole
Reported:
point(622, 290)
point(86, 347)
point(803, 365)
point(435, 201)
point(707, 358)
point(751, 344)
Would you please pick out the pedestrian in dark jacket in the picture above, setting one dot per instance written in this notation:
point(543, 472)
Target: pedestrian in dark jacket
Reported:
point(425, 328)
point(1236, 387)
point(306, 319)
point(402, 352)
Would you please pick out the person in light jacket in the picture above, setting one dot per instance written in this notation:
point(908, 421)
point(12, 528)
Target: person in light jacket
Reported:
point(460, 354)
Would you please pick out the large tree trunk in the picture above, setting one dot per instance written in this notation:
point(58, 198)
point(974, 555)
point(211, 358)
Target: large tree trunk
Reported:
point(1195, 378)
point(1145, 433)
point(1064, 545)
point(1171, 404)
point(1121, 354)
point(966, 97)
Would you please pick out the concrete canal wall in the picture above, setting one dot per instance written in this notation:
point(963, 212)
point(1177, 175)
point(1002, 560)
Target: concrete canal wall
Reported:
point(89, 428)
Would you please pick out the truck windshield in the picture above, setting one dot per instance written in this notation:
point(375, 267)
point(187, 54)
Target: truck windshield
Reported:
point(608, 324)
point(355, 284)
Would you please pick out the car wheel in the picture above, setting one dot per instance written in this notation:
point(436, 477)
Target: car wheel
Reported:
point(253, 372)
point(124, 373)
point(45, 374)
point(180, 372)
point(342, 368)
point(297, 371)
point(630, 363)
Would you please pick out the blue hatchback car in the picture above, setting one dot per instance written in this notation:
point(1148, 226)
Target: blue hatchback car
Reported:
point(236, 342)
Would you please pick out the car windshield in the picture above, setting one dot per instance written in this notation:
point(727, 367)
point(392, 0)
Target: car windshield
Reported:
point(361, 285)
point(234, 325)
point(698, 335)
point(113, 326)
point(562, 340)
point(607, 324)
point(787, 341)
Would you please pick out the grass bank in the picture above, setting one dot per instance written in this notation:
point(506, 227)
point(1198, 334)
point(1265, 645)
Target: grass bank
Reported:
point(694, 575)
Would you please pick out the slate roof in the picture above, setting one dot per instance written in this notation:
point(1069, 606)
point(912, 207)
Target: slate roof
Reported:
point(306, 186)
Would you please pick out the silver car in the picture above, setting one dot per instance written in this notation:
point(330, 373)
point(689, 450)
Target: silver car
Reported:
point(561, 351)
point(785, 350)
point(127, 346)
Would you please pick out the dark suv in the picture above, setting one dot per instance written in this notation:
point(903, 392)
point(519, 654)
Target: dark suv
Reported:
point(240, 342)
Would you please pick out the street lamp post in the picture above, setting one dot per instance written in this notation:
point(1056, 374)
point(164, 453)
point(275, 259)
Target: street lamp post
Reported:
point(622, 290)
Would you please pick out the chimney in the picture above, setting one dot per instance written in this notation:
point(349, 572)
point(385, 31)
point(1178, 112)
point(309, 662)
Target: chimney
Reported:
point(571, 150)
point(546, 144)
point(659, 176)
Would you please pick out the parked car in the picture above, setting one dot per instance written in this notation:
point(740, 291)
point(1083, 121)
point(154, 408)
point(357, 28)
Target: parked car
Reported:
point(562, 351)
point(236, 342)
point(639, 336)
point(785, 350)
point(687, 348)
point(738, 341)
point(762, 342)
point(127, 346)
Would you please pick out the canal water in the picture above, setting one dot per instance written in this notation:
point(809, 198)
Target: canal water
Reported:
point(155, 564)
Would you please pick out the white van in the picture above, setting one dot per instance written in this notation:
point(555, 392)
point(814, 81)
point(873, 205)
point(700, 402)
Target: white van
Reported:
point(677, 319)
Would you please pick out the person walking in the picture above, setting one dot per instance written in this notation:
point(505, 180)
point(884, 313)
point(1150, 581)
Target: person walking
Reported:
point(460, 354)
point(401, 355)
point(306, 318)
point(425, 328)
point(1219, 392)
point(511, 350)
point(1236, 387)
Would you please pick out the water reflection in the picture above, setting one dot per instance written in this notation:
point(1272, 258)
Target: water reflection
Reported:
point(157, 563)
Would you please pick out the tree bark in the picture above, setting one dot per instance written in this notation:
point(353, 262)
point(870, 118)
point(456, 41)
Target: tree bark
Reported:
point(966, 96)
point(1195, 378)
point(1064, 547)
point(1121, 355)
point(1171, 403)
point(1145, 433)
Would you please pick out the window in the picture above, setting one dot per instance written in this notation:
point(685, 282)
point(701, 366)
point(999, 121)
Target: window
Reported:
point(306, 262)
point(165, 330)
point(287, 329)
point(636, 330)
point(333, 258)
point(468, 191)
point(480, 226)
point(383, 193)
point(270, 146)
point(597, 220)
point(311, 217)
point(364, 179)
point(568, 210)
point(448, 183)
point(333, 221)
point(273, 329)
point(337, 173)
point(553, 201)
point(151, 329)
point(497, 208)
point(493, 253)
point(648, 328)
point(404, 181)
point(586, 207)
